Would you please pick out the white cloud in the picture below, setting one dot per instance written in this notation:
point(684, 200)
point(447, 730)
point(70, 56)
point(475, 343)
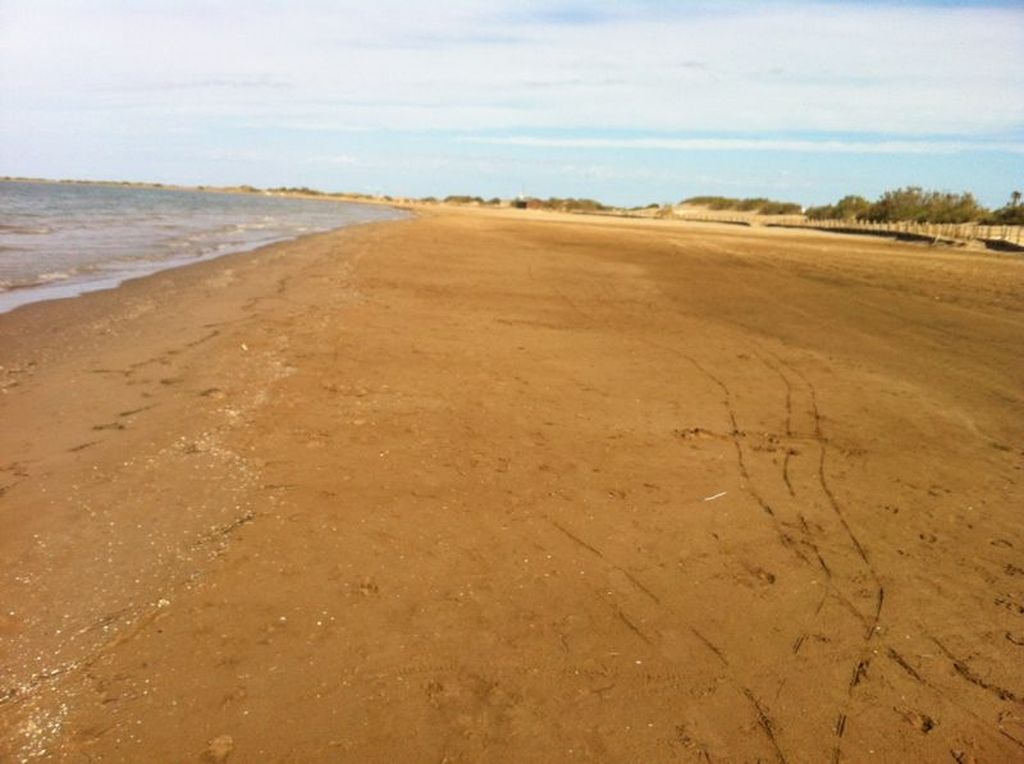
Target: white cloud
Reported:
point(755, 144)
point(736, 67)
point(335, 159)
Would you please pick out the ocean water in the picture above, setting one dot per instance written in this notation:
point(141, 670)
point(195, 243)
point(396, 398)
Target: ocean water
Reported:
point(61, 239)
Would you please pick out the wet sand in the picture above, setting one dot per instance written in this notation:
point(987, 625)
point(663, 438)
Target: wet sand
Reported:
point(520, 487)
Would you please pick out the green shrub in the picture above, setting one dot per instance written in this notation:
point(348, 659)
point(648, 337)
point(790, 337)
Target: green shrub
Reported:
point(1011, 214)
point(463, 199)
point(915, 204)
point(848, 208)
point(758, 205)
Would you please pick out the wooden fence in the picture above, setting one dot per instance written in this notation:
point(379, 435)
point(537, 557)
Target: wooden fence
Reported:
point(995, 236)
point(1009, 234)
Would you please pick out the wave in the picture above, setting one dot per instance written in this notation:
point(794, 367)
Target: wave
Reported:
point(75, 240)
point(42, 279)
point(24, 230)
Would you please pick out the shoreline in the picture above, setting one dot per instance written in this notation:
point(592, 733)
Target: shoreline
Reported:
point(44, 293)
point(72, 286)
point(481, 484)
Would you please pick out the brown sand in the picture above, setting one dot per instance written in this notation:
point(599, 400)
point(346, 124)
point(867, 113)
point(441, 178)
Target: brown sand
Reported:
point(514, 487)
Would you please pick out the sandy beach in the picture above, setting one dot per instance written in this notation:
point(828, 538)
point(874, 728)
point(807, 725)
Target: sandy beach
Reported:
point(502, 486)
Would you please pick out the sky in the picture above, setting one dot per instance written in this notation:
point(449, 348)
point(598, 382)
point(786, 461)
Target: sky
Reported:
point(626, 101)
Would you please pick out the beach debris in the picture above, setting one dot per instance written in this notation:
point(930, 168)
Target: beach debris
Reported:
point(245, 347)
point(219, 748)
point(716, 496)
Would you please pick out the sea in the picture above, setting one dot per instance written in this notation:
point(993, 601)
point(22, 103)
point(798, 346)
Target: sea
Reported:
point(60, 240)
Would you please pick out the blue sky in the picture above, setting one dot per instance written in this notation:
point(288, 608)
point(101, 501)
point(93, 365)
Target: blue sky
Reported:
point(627, 101)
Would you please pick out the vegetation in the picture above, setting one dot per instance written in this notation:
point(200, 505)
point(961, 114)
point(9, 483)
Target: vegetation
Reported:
point(914, 204)
point(758, 205)
point(291, 190)
point(848, 208)
point(572, 205)
point(1011, 214)
point(462, 199)
point(554, 203)
point(910, 204)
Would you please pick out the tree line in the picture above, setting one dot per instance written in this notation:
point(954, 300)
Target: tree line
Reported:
point(915, 204)
point(758, 205)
